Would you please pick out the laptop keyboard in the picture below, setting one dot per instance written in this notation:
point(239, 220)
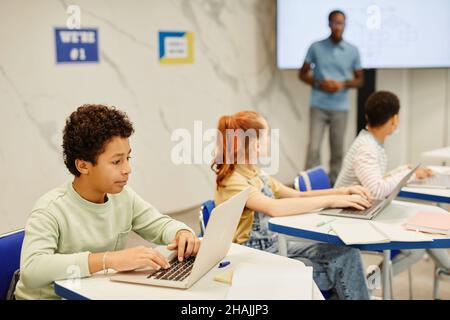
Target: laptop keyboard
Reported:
point(365, 212)
point(437, 180)
point(178, 271)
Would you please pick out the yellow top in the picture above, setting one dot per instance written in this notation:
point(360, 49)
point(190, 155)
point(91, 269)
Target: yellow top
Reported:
point(243, 177)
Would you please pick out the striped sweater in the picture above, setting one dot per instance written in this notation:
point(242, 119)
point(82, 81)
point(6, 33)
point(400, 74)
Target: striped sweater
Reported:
point(365, 164)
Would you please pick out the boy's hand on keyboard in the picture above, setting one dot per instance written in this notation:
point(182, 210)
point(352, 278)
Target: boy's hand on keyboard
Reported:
point(359, 190)
point(349, 201)
point(136, 258)
point(186, 243)
point(423, 173)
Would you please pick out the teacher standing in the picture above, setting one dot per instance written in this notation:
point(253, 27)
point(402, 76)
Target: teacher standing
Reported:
point(331, 67)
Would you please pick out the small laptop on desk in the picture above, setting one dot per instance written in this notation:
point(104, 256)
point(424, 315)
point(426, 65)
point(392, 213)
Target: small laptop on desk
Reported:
point(377, 205)
point(438, 181)
point(216, 242)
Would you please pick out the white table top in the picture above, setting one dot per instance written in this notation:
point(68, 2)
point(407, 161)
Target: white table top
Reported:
point(429, 191)
point(395, 215)
point(100, 287)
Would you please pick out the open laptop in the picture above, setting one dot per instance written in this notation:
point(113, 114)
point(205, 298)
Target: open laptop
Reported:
point(377, 205)
point(215, 244)
point(437, 181)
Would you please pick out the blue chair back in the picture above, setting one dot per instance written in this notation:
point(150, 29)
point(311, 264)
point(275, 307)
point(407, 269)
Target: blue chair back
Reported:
point(10, 248)
point(312, 179)
point(205, 212)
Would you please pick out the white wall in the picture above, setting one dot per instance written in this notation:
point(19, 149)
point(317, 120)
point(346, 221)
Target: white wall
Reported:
point(234, 69)
point(424, 114)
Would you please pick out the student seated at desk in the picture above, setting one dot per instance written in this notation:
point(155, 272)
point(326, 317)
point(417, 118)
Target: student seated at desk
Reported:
point(81, 227)
point(366, 161)
point(335, 267)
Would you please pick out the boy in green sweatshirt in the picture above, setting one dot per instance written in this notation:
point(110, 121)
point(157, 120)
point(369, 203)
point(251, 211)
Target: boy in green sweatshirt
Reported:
point(81, 227)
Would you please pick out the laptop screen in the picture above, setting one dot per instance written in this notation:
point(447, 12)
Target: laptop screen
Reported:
point(401, 184)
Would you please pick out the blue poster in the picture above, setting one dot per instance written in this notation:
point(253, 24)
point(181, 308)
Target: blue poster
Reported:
point(76, 45)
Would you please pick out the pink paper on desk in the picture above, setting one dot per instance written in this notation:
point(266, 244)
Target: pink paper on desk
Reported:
point(435, 222)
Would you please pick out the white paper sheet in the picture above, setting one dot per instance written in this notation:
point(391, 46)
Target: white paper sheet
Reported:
point(271, 282)
point(358, 233)
point(368, 232)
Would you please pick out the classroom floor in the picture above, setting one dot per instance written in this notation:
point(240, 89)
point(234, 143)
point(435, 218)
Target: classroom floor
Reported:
point(422, 280)
point(422, 271)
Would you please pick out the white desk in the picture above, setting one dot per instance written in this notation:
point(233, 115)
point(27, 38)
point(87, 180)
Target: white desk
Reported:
point(437, 156)
point(305, 227)
point(100, 287)
point(428, 194)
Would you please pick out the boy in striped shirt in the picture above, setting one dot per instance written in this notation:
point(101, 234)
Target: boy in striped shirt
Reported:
point(366, 163)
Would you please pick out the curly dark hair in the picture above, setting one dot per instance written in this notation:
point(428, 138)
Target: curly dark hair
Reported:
point(88, 130)
point(380, 107)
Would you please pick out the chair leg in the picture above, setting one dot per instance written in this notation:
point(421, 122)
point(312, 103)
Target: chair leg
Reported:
point(437, 272)
point(386, 275)
point(391, 277)
point(282, 245)
point(391, 280)
point(410, 284)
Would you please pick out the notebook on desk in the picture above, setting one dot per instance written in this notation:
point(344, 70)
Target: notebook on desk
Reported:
point(430, 222)
point(372, 232)
point(437, 181)
point(359, 233)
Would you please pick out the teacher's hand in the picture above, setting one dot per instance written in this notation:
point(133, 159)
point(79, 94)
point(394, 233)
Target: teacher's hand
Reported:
point(331, 86)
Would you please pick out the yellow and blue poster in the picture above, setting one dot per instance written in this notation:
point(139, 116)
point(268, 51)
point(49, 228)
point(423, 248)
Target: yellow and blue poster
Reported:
point(176, 47)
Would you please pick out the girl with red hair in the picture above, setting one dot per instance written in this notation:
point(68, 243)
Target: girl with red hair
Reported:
point(336, 268)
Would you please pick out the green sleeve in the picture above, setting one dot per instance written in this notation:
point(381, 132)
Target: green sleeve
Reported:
point(40, 265)
point(153, 226)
